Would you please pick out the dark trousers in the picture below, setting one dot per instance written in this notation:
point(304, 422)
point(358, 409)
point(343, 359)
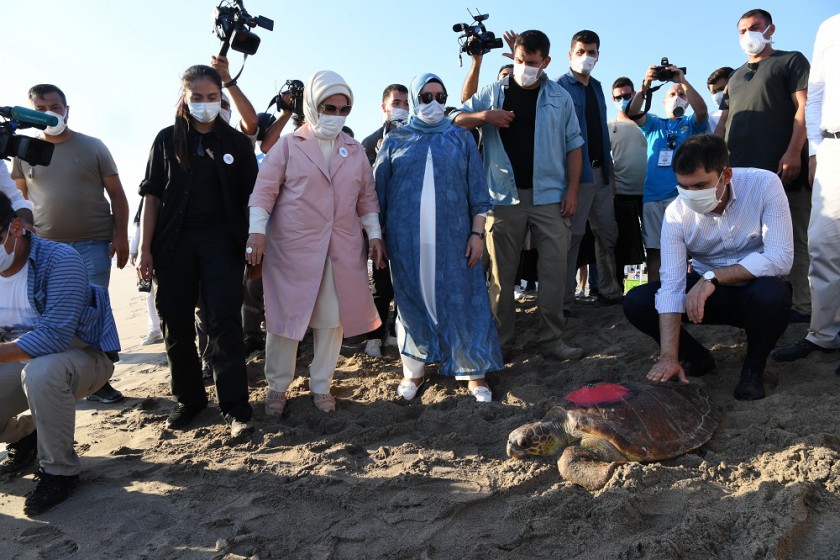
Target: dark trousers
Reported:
point(760, 307)
point(383, 295)
point(208, 261)
point(253, 308)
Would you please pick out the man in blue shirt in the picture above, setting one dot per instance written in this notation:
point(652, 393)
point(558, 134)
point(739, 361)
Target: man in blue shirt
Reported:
point(595, 200)
point(533, 172)
point(664, 136)
point(55, 331)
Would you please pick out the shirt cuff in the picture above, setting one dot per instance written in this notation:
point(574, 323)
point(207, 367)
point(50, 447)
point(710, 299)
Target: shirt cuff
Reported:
point(259, 220)
point(371, 224)
point(813, 146)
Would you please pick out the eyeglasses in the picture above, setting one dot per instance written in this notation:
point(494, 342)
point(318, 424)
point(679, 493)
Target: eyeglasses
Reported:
point(330, 109)
point(624, 96)
point(426, 98)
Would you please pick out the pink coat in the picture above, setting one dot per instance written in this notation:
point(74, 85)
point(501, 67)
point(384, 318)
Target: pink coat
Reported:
point(315, 215)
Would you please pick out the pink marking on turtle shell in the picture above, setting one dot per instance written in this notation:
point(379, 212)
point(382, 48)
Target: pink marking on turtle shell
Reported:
point(602, 393)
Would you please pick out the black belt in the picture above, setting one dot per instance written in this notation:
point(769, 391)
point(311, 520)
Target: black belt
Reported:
point(827, 134)
point(597, 163)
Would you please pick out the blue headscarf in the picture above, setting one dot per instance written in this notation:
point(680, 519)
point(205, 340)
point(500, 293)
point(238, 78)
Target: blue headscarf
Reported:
point(414, 121)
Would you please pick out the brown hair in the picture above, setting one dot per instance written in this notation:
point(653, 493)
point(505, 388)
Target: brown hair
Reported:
point(180, 136)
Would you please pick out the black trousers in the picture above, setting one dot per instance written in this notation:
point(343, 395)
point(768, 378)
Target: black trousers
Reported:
point(760, 307)
point(383, 295)
point(253, 308)
point(208, 261)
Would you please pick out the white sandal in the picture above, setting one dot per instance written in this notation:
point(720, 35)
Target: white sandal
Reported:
point(482, 393)
point(407, 389)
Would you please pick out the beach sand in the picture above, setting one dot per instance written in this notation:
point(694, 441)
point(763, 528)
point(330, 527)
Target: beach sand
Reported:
point(429, 479)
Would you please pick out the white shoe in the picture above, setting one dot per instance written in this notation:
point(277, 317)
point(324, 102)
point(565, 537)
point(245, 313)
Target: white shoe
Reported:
point(407, 389)
point(373, 348)
point(153, 337)
point(391, 341)
point(482, 393)
point(518, 294)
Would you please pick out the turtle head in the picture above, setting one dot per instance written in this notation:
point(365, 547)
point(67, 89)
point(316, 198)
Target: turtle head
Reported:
point(538, 438)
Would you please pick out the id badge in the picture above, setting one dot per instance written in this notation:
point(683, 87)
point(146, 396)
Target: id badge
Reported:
point(665, 157)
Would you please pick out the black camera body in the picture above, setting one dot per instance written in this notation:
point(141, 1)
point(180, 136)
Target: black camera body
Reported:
point(34, 151)
point(293, 88)
point(232, 27)
point(484, 41)
point(662, 74)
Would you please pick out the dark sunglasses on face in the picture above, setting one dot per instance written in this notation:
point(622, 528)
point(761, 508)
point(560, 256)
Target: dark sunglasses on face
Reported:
point(624, 96)
point(329, 109)
point(426, 98)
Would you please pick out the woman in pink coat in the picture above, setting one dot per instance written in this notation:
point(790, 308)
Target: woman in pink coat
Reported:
point(313, 195)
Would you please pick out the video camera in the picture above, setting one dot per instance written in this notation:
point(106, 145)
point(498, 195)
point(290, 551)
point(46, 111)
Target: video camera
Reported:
point(232, 23)
point(293, 88)
point(662, 74)
point(484, 40)
point(31, 150)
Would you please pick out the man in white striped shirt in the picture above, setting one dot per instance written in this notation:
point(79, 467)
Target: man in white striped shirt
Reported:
point(735, 226)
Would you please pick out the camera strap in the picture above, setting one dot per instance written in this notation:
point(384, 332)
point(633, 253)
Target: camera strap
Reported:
point(648, 99)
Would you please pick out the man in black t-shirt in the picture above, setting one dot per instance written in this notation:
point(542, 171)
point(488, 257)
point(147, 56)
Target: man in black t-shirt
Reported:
point(763, 122)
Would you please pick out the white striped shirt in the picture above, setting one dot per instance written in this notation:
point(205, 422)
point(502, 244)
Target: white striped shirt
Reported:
point(754, 231)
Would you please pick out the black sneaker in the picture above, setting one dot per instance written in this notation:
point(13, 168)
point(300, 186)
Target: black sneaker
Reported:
point(206, 370)
point(254, 343)
point(51, 490)
point(751, 385)
point(106, 394)
point(21, 454)
point(798, 351)
point(602, 301)
point(182, 416)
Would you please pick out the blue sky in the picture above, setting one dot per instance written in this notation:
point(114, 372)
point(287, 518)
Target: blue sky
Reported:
point(120, 62)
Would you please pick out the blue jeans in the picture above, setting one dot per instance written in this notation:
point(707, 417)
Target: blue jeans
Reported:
point(97, 257)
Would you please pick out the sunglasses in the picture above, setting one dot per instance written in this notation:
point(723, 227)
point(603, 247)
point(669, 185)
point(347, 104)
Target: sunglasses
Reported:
point(624, 96)
point(329, 109)
point(426, 98)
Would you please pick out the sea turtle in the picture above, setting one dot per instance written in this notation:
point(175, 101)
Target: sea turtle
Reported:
point(601, 425)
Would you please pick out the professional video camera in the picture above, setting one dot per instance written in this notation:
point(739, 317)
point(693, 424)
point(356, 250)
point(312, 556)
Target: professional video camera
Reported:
point(232, 23)
point(662, 74)
point(483, 40)
point(31, 150)
point(293, 89)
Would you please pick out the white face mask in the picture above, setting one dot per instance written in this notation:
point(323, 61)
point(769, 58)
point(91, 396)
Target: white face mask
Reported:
point(675, 106)
point(6, 259)
point(526, 76)
point(205, 112)
point(431, 113)
point(752, 42)
point(397, 116)
point(328, 127)
point(701, 201)
point(225, 113)
point(718, 97)
point(57, 129)
point(583, 64)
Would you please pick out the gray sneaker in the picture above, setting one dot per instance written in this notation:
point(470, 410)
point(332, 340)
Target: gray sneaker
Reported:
point(561, 351)
point(241, 428)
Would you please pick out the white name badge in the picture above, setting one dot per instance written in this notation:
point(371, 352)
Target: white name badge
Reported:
point(342, 151)
point(665, 158)
point(227, 158)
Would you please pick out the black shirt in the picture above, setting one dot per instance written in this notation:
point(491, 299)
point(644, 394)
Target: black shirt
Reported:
point(189, 196)
point(518, 139)
point(594, 136)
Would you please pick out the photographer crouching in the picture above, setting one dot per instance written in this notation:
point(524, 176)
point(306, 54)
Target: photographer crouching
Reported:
point(55, 330)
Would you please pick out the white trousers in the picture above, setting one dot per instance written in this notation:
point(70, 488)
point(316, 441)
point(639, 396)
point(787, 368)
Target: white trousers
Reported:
point(154, 318)
point(824, 247)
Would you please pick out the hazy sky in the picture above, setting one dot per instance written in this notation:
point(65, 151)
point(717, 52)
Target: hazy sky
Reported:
point(120, 62)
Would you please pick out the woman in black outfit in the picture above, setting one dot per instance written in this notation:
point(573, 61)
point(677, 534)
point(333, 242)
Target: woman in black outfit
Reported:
point(195, 224)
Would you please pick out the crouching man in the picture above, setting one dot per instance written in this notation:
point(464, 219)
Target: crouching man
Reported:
point(735, 226)
point(55, 330)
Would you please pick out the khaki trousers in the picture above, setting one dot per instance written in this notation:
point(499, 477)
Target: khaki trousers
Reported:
point(550, 235)
point(48, 386)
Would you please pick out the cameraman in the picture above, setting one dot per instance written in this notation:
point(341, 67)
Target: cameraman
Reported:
point(663, 137)
point(21, 206)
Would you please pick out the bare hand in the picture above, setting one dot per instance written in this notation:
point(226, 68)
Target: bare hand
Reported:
point(288, 100)
point(220, 65)
point(132, 259)
point(789, 167)
point(568, 204)
point(146, 266)
point(475, 249)
point(499, 118)
point(650, 77)
point(812, 169)
point(695, 300)
point(665, 369)
point(510, 38)
point(678, 77)
point(119, 247)
point(377, 253)
point(256, 243)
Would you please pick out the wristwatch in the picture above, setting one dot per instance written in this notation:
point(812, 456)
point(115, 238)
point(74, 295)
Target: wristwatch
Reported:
point(480, 234)
point(709, 276)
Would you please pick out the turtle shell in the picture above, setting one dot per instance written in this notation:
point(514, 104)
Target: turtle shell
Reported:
point(645, 422)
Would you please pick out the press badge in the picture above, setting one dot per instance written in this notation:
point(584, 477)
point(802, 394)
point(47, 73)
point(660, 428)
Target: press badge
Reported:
point(665, 157)
point(227, 158)
point(342, 151)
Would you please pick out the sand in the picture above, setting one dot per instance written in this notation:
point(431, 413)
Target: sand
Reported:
point(430, 479)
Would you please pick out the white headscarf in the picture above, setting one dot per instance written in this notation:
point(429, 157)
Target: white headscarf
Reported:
point(320, 86)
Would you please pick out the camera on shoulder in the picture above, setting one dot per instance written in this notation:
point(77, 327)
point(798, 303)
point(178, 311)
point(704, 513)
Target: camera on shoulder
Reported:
point(34, 151)
point(662, 74)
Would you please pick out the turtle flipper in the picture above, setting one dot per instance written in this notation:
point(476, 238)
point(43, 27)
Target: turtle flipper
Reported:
point(590, 465)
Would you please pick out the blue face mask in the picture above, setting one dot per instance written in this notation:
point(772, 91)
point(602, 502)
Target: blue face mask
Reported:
point(622, 104)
